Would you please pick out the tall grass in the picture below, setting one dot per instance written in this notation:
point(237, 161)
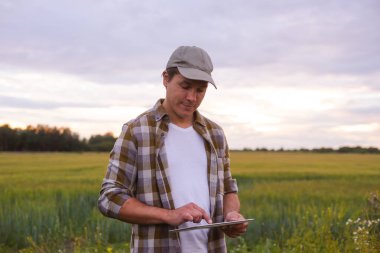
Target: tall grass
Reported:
point(301, 203)
point(49, 200)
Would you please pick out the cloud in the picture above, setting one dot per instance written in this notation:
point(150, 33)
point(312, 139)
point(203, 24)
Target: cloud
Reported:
point(110, 40)
point(294, 117)
point(16, 102)
point(289, 73)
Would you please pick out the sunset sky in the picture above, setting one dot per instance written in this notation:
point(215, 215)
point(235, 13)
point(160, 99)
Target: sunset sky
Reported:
point(290, 73)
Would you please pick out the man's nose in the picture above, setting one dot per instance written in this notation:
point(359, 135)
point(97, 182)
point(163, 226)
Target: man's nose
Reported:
point(191, 95)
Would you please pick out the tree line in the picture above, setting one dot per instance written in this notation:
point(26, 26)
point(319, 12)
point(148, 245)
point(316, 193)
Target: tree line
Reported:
point(341, 150)
point(46, 138)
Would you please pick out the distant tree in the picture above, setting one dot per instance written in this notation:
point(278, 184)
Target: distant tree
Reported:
point(39, 138)
point(8, 138)
point(373, 150)
point(261, 149)
point(323, 150)
point(349, 150)
point(101, 142)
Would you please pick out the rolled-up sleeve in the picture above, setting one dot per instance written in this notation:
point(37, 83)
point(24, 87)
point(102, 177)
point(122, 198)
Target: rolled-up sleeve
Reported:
point(230, 184)
point(119, 183)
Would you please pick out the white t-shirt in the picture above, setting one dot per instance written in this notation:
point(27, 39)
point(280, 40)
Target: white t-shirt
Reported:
point(187, 163)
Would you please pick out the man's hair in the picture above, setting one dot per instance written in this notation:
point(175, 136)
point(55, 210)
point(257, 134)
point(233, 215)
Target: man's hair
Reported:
point(172, 72)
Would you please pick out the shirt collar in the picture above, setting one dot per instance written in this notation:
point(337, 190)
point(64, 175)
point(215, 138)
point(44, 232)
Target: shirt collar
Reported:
point(159, 110)
point(198, 118)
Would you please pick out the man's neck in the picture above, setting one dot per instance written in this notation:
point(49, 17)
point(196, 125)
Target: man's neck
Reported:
point(178, 121)
point(182, 124)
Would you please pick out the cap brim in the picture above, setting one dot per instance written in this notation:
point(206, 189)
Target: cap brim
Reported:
point(196, 74)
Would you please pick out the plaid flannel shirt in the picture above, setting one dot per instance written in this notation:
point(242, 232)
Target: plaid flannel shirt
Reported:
point(138, 168)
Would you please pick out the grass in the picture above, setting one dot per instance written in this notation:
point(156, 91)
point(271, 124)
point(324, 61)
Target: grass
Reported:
point(301, 202)
point(49, 200)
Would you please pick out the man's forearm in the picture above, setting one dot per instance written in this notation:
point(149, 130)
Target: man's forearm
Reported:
point(230, 203)
point(136, 212)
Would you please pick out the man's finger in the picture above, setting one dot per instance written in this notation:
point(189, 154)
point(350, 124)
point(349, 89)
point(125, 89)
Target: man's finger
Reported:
point(188, 217)
point(206, 217)
point(234, 216)
point(204, 214)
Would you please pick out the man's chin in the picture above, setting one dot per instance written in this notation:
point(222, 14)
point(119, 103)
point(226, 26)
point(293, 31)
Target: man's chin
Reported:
point(186, 114)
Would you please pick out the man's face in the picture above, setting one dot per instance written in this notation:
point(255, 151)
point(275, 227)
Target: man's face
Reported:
point(183, 97)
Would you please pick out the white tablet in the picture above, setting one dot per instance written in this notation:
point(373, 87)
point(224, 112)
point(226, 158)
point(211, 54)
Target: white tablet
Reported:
point(213, 225)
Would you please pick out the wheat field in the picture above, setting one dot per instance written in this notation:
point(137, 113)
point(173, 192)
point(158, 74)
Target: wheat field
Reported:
point(301, 202)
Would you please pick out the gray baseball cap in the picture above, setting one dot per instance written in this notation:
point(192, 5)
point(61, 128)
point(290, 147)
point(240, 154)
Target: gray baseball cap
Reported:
point(193, 63)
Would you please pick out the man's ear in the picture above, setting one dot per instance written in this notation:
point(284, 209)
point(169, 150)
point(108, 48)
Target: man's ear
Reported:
point(165, 78)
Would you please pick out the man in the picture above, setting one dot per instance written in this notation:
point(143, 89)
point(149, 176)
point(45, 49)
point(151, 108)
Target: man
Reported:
point(170, 167)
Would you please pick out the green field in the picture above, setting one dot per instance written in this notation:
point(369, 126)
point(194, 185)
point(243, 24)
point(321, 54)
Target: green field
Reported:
point(301, 202)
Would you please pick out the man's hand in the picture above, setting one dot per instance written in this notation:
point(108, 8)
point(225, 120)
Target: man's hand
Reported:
point(235, 230)
point(188, 212)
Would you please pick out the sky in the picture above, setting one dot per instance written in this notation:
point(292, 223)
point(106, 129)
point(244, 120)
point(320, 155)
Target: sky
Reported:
point(290, 73)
